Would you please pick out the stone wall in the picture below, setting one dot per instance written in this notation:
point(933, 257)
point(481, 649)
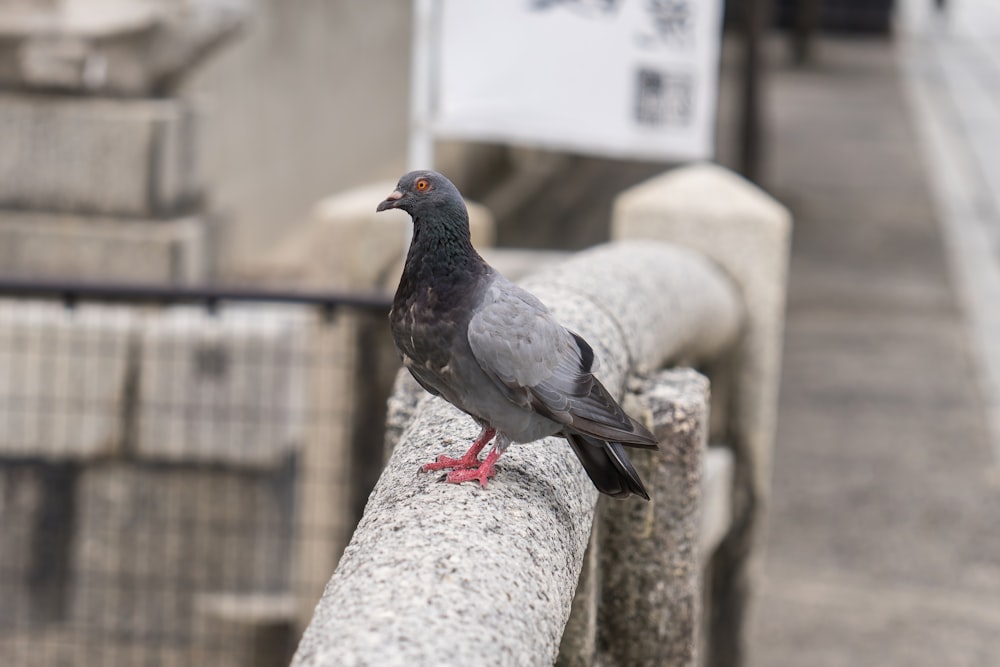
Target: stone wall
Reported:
point(100, 189)
point(147, 466)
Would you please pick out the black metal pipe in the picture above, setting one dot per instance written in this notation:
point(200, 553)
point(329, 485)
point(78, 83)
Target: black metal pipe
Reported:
point(73, 292)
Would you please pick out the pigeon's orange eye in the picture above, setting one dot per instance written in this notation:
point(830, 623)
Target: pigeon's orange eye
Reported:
point(422, 185)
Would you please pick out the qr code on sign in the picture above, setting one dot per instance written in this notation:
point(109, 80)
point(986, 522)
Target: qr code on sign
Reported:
point(673, 20)
point(664, 98)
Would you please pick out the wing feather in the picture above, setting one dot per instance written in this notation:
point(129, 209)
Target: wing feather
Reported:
point(539, 364)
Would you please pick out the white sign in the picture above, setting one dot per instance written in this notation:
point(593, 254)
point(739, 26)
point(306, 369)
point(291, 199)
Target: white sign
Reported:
point(620, 78)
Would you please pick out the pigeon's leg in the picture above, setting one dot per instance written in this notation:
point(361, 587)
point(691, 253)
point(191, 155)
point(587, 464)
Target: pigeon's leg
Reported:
point(469, 460)
point(486, 469)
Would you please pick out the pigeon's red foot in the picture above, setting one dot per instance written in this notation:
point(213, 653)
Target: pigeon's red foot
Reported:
point(469, 460)
point(446, 462)
point(483, 472)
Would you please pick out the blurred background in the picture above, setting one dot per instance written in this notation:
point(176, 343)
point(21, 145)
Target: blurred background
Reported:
point(193, 351)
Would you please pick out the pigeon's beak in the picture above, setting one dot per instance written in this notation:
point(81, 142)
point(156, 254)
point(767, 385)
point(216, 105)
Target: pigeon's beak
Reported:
point(391, 201)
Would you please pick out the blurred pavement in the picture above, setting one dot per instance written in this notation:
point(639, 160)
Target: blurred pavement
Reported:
point(884, 544)
point(952, 66)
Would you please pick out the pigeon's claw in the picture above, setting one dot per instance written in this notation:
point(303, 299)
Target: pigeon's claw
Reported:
point(483, 472)
point(469, 460)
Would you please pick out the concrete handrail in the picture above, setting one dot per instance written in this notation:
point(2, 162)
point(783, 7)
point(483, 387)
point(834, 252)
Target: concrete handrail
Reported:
point(439, 574)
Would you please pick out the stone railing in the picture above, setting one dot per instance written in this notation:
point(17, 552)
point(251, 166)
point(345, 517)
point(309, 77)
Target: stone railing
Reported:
point(437, 574)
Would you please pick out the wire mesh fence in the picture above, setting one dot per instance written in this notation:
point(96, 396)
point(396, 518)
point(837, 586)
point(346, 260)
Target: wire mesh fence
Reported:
point(175, 480)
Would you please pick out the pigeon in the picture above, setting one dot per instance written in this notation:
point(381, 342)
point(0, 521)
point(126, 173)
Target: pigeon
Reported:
point(494, 351)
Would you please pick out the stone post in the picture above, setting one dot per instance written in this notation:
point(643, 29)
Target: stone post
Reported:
point(746, 232)
point(651, 588)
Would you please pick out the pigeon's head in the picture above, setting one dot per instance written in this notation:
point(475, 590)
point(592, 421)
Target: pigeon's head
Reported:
point(421, 191)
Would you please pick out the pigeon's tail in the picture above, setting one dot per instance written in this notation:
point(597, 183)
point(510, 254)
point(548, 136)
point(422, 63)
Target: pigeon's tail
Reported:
point(608, 466)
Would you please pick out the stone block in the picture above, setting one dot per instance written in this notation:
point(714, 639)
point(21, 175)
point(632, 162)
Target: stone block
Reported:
point(649, 551)
point(133, 158)
point(62, 390)
point(222, 388)
point(44, 246)
point(151, 542)
point(114, 46)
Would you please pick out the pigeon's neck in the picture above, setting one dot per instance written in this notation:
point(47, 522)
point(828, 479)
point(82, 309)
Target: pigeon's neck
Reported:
point(441, 258)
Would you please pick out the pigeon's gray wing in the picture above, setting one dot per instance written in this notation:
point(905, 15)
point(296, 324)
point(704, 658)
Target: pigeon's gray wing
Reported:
point(520, 346)
point(540, 365)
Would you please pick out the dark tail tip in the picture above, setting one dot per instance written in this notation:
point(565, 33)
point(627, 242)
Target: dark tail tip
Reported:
point(608, 466)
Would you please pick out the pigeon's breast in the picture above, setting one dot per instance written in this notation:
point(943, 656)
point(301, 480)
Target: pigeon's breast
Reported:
point(426, 335)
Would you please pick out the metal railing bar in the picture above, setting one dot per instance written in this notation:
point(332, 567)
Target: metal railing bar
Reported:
point(75, 291)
